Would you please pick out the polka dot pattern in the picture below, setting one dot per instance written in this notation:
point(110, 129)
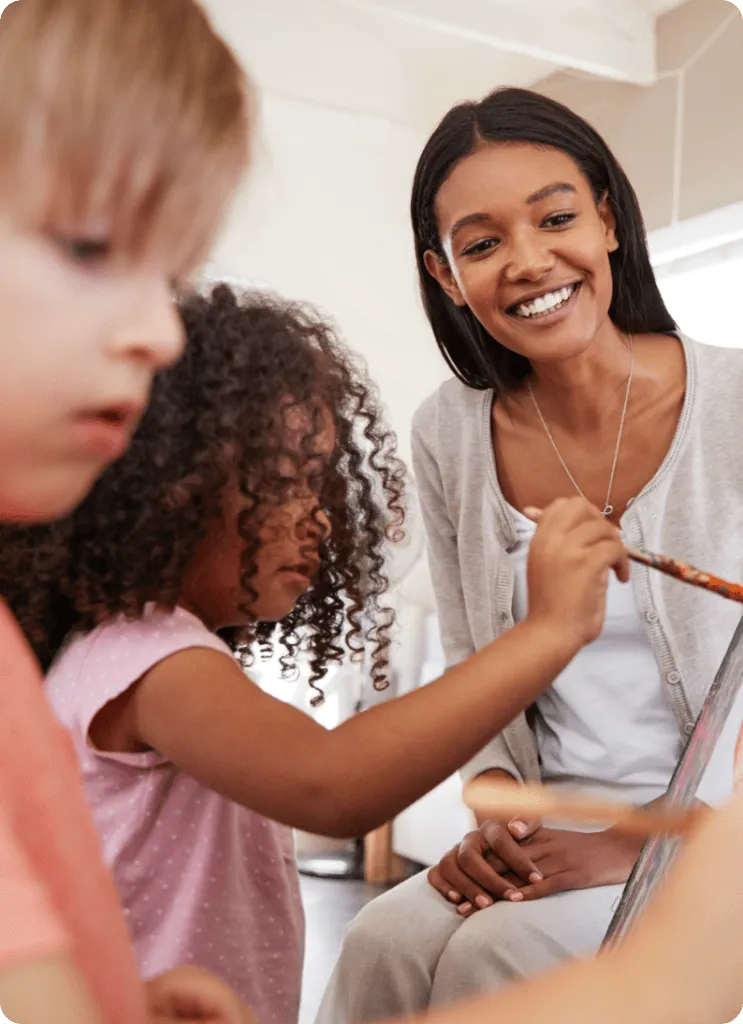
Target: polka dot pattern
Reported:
point(203, 880)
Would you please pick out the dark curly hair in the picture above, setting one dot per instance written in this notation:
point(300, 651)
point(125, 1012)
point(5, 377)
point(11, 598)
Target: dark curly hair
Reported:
point(221, 413)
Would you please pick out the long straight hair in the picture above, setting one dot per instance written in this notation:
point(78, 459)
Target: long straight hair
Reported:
point(518, 115)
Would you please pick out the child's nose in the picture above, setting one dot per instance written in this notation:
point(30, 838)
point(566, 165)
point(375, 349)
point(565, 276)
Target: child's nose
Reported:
point(154, 335)
point(323, 522)
point(315, 525)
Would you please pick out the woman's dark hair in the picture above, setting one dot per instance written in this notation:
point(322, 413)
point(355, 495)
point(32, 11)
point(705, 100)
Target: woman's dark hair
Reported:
point(518, 115)
point(220, 413)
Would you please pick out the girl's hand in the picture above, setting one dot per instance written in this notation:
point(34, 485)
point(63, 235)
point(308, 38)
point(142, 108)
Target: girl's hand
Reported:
point(487, 865)
point(188, 994)
point(579, 860)
point(570, 558)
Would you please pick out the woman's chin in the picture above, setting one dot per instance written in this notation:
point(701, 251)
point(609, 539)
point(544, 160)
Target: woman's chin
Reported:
point(563, 340)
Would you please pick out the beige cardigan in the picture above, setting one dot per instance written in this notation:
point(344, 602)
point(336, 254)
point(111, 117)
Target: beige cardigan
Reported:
point(692, 509)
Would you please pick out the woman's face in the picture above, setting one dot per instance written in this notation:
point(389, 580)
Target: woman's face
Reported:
point(527, 249)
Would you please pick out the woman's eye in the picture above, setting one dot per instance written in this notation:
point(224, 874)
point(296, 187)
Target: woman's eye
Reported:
point(478, 248)
point(85, 250)
point(560, 220)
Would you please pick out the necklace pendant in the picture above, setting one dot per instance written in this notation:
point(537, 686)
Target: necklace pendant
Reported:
point(608, 510)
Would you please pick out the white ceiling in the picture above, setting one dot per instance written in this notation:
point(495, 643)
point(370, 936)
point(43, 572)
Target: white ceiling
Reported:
point(409, 60)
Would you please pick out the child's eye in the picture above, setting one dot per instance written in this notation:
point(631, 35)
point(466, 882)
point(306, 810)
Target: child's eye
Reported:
point(479, 248)
point(86, 250)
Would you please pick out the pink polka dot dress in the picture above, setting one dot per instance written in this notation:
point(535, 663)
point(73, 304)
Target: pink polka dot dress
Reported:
point(203, 881)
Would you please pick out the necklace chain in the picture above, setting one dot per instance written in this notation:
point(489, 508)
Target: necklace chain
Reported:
point(608, 507)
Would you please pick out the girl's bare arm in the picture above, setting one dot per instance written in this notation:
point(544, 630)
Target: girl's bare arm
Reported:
point(198, 709)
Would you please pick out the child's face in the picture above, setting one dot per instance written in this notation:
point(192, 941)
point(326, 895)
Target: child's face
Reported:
point(81, 337)
point(287, 560)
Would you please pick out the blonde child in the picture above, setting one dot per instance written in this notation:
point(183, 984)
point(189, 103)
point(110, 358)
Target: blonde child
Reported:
point(123, 132)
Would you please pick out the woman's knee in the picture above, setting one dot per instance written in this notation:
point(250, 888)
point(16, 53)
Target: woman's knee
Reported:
point(401, 921)
point(512, 940)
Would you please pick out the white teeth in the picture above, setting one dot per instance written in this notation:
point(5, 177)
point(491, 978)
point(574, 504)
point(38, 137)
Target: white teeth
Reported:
point(545, 303)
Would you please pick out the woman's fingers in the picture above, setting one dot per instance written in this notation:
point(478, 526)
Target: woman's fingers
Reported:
point(503, 845)
point(457, 887)
point(523, 828)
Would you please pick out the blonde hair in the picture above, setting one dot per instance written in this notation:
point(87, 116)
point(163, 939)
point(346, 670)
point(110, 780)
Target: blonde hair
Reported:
point(133, 114)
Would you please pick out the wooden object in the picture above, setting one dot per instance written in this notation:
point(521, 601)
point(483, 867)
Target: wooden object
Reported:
point(381, 865)
point(490, 798)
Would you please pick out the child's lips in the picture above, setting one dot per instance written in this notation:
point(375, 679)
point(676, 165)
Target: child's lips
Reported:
point(307, 570)
point(107, 431)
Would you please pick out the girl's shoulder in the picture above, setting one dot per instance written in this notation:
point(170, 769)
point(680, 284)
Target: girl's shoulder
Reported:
point(99, 666)
point(155, 629)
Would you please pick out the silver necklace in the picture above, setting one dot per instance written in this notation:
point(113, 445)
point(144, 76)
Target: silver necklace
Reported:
point(608, 507)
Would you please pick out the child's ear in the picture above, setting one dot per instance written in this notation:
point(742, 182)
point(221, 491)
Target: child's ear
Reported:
point(438, 267)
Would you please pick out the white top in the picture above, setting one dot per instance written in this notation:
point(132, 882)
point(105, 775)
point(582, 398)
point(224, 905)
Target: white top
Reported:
point(605, 724)
point(691, 510)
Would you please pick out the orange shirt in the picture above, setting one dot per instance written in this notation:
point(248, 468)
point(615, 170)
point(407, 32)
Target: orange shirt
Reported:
point(55, 891)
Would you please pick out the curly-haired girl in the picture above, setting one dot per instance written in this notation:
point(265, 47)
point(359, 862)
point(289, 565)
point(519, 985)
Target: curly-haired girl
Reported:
point(260, 489)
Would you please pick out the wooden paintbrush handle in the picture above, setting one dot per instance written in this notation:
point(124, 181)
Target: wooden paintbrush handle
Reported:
point(497, 799)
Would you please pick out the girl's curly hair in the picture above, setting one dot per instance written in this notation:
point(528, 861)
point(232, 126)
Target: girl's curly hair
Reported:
point(218, 413)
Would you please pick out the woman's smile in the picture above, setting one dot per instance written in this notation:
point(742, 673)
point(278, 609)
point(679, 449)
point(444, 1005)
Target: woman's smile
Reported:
point(546, 306)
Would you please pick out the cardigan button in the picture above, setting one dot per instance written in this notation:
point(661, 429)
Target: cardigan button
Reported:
point(674, 677)
point(689, 728)
point(651, 617)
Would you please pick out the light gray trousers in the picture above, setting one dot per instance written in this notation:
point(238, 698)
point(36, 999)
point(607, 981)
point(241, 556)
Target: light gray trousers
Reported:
point(408, 949)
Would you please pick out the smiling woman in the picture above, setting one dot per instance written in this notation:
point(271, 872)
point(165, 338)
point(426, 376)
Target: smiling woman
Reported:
point(468, 205)
point(571, 377)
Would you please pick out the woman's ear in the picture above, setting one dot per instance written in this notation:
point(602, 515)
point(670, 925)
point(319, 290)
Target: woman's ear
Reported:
point(438, 267)
point(609, 221)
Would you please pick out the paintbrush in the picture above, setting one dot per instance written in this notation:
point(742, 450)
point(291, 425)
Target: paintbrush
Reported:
point(672, 567)
point(508, 800)
point(687, 573)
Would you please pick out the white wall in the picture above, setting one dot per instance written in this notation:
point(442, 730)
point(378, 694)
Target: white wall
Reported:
point(699, 265)
point(325, 218)
point(705, 301)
